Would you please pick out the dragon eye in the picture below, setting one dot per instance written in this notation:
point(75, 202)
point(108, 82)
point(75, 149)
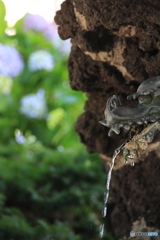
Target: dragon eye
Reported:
point(145, 99)
point(141, 98)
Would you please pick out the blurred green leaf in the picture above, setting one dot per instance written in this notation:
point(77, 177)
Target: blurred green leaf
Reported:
point(50, 187)
point(2, 10)
point(3, 23)
point(55, 117)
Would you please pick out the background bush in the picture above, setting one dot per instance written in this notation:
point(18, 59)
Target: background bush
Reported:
point(50, 188)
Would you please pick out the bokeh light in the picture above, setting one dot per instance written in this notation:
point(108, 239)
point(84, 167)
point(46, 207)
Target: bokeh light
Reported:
point(45, 8)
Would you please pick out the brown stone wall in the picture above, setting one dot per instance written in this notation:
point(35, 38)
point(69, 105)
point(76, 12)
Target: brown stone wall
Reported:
point(115, 46)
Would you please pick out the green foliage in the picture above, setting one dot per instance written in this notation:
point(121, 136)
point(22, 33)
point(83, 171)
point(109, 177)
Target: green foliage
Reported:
point(3, 24)
point(49, 194)
point(50, 188)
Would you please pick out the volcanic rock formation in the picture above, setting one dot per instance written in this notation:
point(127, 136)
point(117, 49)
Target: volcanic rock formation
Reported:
point(115, 47)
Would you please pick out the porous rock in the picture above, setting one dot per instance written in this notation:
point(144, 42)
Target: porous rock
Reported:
point(115, 46)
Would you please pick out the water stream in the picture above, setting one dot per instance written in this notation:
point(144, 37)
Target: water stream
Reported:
point(106, 194)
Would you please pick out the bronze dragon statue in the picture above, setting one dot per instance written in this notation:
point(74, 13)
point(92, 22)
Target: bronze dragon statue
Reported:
point(143, 120)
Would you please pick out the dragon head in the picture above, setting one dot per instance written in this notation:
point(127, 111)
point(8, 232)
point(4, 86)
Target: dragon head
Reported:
point(147, 111)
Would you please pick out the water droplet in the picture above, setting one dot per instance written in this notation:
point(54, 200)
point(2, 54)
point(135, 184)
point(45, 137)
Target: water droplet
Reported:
point(101, 230)
point(104, 211)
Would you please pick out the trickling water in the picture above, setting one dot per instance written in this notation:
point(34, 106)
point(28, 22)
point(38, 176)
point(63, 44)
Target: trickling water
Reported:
point(117, 151)
point(101, 230)
point(104, 213)
point(106, 195)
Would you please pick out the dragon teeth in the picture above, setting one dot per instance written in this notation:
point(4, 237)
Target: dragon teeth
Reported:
point(103, 122)
point(139, 122)
point(152, 119)
point(110, 132)
point(116, 129)
point(126, 127)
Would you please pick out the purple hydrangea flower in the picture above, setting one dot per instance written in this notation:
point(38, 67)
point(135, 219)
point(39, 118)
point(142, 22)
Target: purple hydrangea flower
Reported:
point(11, 62)
point(63, 46)
point(39, 24)
point(40, 59)
point(34, 105)
point(49, 30)
point(35, 22)
point(19, 137)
